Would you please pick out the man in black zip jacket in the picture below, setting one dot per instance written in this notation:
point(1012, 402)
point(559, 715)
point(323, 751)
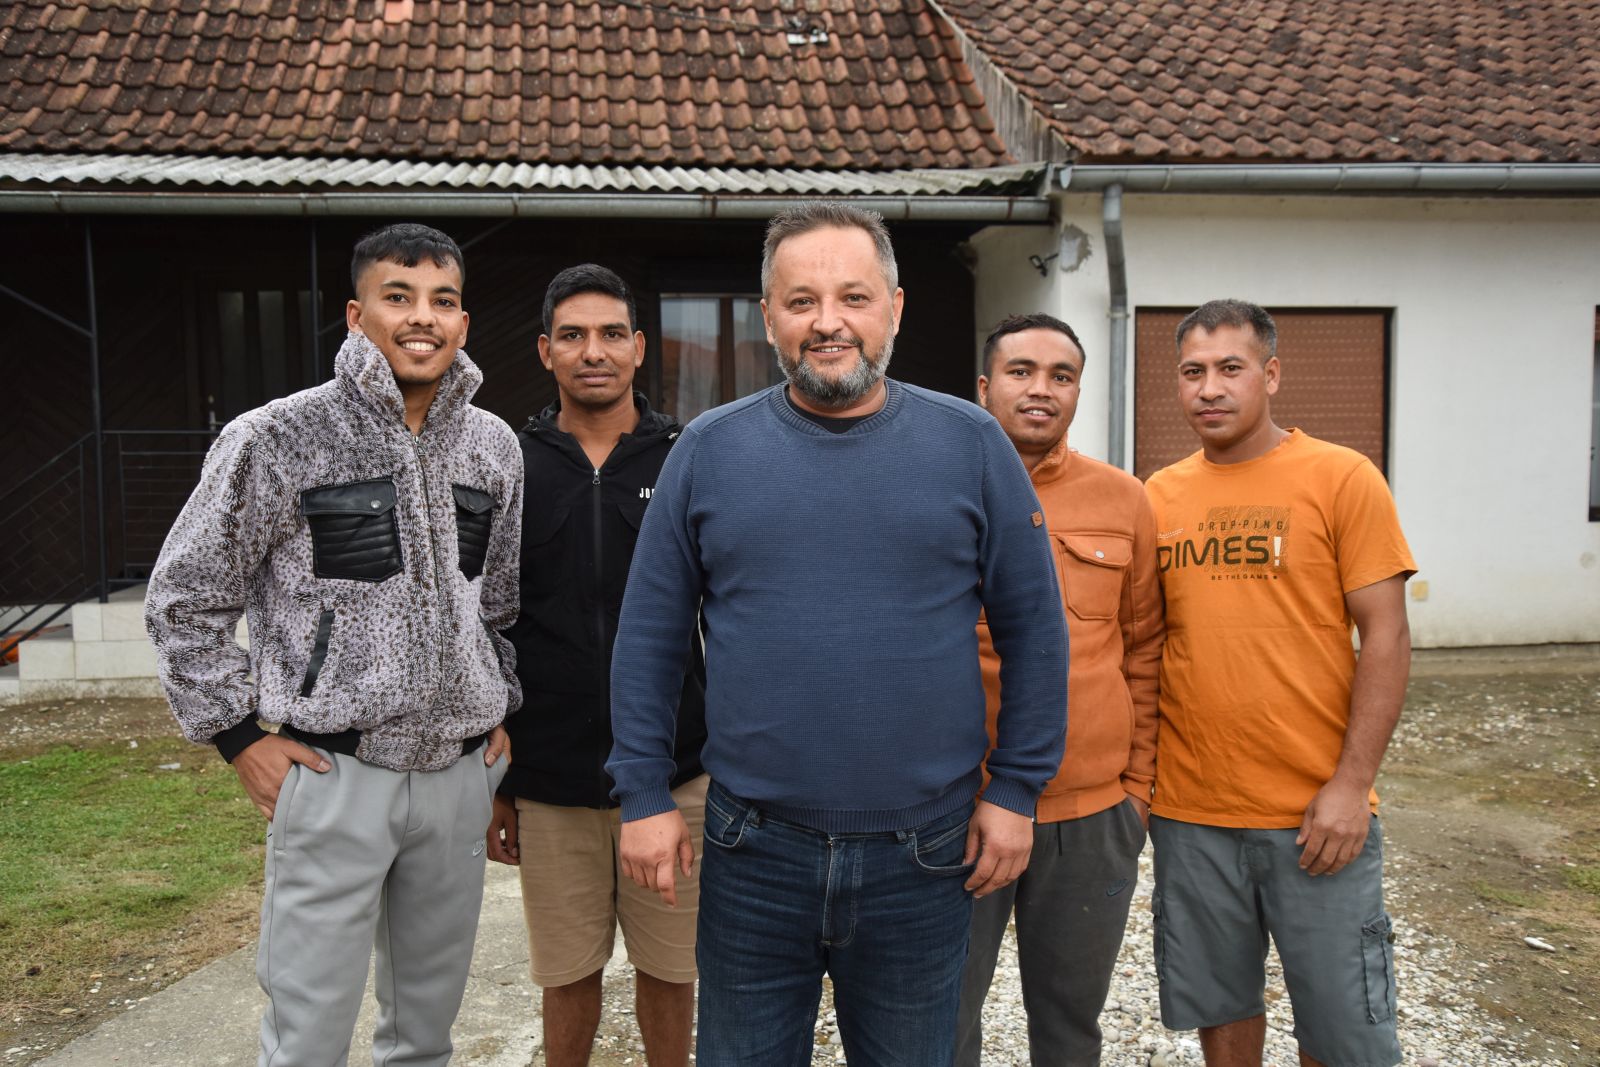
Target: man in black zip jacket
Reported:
point(590, 463)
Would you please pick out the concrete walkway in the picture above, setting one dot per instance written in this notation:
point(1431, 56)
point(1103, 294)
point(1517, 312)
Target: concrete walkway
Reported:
point(211, 1018)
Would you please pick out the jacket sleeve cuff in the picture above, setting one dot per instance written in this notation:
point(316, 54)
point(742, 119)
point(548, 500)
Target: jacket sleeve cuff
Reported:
point(1139, 788)
point(646, 802)
point(1011, 795)
point(238, 737)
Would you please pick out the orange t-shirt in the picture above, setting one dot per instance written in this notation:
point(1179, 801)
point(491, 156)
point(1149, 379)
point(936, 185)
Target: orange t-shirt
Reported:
point(1255, 560)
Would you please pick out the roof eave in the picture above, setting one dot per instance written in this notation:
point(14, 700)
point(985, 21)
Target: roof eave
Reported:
point(1573, 179)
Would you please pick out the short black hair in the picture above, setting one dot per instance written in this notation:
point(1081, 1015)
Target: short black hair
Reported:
point(587, 278)
point(1016, 324)
point(809, 215)
point(1215, 314)
point(406, 243)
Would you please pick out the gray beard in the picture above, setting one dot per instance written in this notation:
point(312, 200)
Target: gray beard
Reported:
point(842, 392)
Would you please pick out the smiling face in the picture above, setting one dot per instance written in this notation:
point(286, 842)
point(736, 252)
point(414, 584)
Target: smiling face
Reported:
point(1225, 387)
point(413, 315)
point(1032, 389)
point(831, 318)
point(592, 352)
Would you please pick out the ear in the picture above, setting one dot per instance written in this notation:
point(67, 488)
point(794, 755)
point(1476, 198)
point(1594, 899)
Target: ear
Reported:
point(983, 391)
point(899, 302)
point(638, 348)
point(1272, 371)
point(766, 318)
point(466, 320)
point(544, 351)
point(352, 316)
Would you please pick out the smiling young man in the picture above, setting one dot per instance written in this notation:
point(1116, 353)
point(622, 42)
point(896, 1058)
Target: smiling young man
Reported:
point(367, 529)
point(838, 535)
point(1272, 546)
point(591, 461)
point(1072, 902)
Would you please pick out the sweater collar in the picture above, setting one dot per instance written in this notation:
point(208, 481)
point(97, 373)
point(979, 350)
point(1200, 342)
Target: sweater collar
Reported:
point(1053, 467)
point(786, 413)
point(364, 373)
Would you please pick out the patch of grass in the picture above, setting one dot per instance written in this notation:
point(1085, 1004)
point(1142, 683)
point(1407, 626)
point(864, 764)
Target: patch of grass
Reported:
point(1585, 880)
point(1495, 894)
point(102, 852)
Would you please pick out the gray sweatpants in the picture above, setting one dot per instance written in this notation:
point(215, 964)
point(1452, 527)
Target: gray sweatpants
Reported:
point(1072, 906)
point(358, 858)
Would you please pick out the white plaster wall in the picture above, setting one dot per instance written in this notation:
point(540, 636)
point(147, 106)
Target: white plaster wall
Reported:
point(1494, 305)
point(1007, 284)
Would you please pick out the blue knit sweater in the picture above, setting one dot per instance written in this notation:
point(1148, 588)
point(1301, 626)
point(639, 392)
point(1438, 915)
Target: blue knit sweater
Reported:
point(840, 577)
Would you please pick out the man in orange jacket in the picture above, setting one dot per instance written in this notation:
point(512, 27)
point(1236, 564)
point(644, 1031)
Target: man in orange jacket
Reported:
point(1072, 902)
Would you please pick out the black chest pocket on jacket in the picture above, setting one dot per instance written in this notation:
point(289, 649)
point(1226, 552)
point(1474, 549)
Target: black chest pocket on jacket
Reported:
point(353, 530)
point(474, 517)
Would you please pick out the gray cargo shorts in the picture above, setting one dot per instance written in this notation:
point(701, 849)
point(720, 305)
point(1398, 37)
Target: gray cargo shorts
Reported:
point(1221, 892)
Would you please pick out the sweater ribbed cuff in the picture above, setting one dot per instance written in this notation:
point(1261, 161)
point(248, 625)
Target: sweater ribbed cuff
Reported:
point(647, 802)
point(1011, 795)
point(238, 737)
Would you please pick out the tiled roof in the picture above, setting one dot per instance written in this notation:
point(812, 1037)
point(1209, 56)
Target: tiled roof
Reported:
point(842, 85)
point(1285, 81)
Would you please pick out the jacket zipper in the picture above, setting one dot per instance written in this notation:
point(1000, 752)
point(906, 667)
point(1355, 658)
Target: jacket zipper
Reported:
point(421, 452)
point(600, 604)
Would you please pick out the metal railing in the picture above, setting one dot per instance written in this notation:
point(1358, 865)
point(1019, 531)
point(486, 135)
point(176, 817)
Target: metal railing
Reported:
point(57, 541)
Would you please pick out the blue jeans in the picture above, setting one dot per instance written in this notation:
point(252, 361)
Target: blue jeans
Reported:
point(885, 915)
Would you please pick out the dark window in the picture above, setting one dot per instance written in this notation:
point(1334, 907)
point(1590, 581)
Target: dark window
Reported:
point(713, 350)
point(261, 348)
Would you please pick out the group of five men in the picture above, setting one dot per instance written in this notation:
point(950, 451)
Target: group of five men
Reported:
point(785, 693)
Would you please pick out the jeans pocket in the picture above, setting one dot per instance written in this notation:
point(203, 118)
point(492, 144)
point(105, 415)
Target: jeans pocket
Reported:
point(1377, 967)
point(940, 847)
point(474, 517)
point(495, 772)
point(354, 534)
point(1158, 927)
point(278, 827)
point(726, 820)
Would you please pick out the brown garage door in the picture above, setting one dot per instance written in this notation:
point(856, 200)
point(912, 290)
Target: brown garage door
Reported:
point(1334, 385)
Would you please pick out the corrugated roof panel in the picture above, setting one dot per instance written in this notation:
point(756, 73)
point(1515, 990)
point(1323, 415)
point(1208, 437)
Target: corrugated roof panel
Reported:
point(286, 173)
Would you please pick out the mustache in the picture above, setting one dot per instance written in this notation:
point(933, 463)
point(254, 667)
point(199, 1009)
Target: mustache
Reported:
point(836, 339)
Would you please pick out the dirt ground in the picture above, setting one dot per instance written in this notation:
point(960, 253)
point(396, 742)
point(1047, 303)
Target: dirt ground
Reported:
point(1491, 805)
point(1491, 808)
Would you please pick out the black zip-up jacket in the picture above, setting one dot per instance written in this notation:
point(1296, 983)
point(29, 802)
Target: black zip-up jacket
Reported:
point(579, 526)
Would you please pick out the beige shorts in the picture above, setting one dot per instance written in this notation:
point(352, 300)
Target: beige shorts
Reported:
point(574, 894)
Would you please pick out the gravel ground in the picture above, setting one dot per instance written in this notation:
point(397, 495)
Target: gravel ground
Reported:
point(1439, 1026)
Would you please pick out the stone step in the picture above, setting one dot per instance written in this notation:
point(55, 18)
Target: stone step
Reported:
point(121, 618)
point(115, 659)
point(10, 683)
point(48, 657)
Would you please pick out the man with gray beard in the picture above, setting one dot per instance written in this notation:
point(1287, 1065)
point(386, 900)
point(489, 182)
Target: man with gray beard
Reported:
point(839, 535)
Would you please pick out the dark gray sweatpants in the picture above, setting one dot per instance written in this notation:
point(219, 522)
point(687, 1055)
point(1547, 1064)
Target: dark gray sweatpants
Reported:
point(361, 858)
point(1072, 906)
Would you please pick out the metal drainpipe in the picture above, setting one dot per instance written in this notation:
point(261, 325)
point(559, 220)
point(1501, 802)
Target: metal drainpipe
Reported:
point(1117, 368)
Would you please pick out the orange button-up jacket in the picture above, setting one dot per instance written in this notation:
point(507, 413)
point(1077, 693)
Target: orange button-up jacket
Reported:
point(1103, 533)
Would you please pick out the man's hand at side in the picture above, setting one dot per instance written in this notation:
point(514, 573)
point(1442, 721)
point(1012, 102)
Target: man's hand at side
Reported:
point(502, 836)
point(651, 848)
point(1334, 827)
point(499, 741)
point(264, 765)
point(1001, 841)
point(1142, 809)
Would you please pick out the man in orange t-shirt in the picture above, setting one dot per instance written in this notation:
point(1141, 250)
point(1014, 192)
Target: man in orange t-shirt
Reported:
point(1271, 544)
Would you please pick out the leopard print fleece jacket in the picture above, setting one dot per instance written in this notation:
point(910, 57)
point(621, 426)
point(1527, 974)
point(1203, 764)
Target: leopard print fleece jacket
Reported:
point(375, 570)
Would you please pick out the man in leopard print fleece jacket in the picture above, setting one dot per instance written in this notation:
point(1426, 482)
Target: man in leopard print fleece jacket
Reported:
point(368, 529)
